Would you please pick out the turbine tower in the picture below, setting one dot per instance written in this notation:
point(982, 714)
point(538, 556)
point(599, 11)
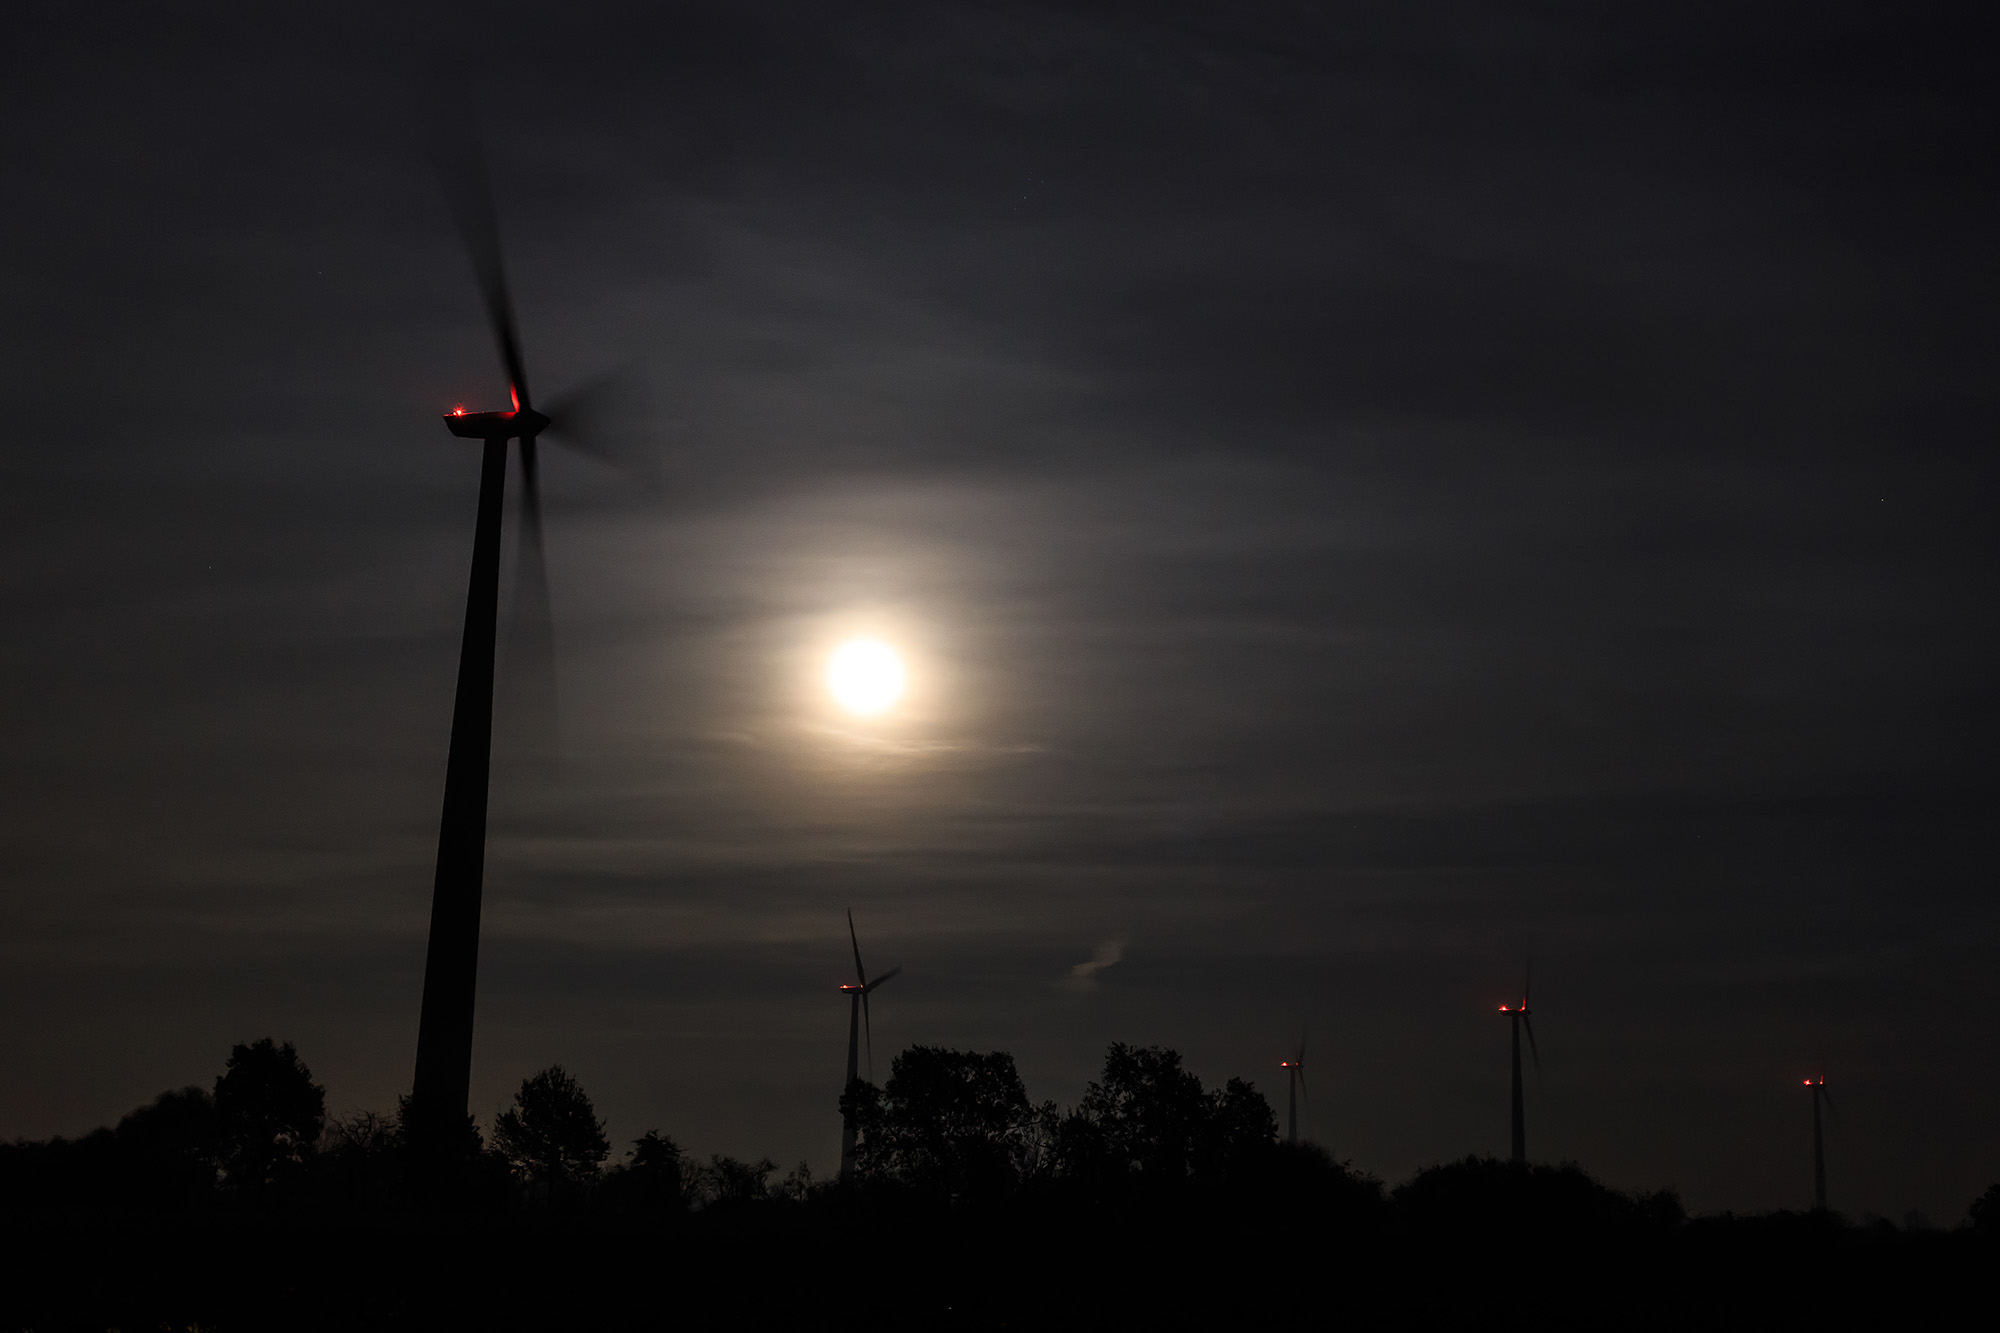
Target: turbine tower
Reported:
point(857, 993)
point(436, 1118)
point(1295, 1071)
point(1819, 1094)
point(1518, 1015)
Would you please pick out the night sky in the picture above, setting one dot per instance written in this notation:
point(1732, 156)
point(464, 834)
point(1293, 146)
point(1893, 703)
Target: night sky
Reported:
point(1367, 494)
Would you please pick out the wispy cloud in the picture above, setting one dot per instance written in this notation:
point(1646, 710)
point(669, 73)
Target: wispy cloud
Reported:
point(1108, 954)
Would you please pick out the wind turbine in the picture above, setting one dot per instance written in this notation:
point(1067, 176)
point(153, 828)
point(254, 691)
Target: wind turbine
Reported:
point(1819, 1094)
point(436, 1117)
point(857, 1018)
point(1518, 1015)
point(1295, 1070)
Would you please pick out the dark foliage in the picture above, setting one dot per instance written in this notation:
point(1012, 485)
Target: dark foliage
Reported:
point(168, 1149)
point(360, 1160)
point(727, 1183)
point(1156, 1202)
point(654, 1178)
point(1302, 1188)
point(268, 1116)
point(1148, 1125)
point(1486, 1198)
point(1984, 1213)
point(174, 1153)
point(552, 1132)
point(1239, 1135)
point(950, 1125)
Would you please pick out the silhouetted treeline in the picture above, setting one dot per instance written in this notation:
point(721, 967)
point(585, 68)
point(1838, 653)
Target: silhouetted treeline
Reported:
point(956, 1129)
point(1153, 1199)
point(254, 1138)
point(949, 1130)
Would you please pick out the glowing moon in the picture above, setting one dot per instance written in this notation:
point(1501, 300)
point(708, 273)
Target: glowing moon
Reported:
point(865, 676)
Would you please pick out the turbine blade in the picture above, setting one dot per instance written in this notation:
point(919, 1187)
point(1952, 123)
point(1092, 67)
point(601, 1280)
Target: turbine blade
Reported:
point(607, 419)
point(868, 1026)
point(859, 975)
point(892, 972)
point(1533, 1049)
point(460, 160)
point(528, 683)
point(1827, 1093)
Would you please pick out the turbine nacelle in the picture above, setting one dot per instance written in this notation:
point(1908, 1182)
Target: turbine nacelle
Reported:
point(521, 424)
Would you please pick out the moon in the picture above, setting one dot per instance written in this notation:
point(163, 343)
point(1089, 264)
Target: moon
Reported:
point(865, 676)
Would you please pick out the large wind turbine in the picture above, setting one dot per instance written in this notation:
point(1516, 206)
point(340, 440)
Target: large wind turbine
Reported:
point(857, 1018)
point(1295, 1070)
point(1519, 1016)
point(435, 1119)
point(1819, 1094)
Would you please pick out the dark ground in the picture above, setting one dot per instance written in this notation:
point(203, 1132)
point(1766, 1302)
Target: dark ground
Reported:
point(762, 1270)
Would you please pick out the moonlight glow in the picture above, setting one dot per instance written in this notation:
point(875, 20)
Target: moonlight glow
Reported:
point(865, 676)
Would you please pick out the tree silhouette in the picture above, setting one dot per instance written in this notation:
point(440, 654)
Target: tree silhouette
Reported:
point(1147, 1123)
point(798, 1184)
point(1242, 1128)
point(727, 1181)
point(1483, 1197)
point(268, 1114)
point(654, 1178)
point(552, 1133)
point(1143, 1117)
point(952, 1124)
point(360, 1156)
point(168, 1149)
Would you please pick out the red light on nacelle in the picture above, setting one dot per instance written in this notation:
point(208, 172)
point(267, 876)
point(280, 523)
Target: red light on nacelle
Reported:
point(1503, 1009)
point(458, 411)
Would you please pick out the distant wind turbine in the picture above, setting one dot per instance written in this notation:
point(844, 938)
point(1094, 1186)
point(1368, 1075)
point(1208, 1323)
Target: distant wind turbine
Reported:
point(1519, 1017)
point(1295, 1070)
point(857, 1018)
point(1819, 1094)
